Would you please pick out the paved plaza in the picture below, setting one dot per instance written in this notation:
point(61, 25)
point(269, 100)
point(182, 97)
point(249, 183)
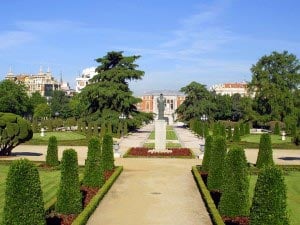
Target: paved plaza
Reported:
point(153, 191)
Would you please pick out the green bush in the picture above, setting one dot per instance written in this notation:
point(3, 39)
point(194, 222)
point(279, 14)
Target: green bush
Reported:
point(23, 195)
point(207, 154)
point(277, 129)
point(52, 152)
point(247, 128)
point(107, 152)
point(269, 201)
point(69, 199)
point(102, 131)
point(229, 134)
point(125, 131)
point(14, 130)
point(93, 173)
point(265, 153)
point(236, 134)
point(242, 129)
point(216, 164)
point(296, 139)
point(235, 196)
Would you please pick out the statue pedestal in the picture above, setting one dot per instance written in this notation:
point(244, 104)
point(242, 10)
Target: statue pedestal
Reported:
point(160, 135)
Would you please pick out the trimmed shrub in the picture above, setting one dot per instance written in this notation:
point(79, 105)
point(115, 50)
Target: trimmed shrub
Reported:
point(95, 130)
point(277, 129)
point(235, 196)
point(247, 128)
point(216, 164)
point(216, 129)
point(69, 199)
point(102, 131)
point(206, 130)
point(296, 139)
point(125, 128)
point(52, 152)
point(107, 152)
point(269, 201)
point(242, 129)
point(265, 153)
point(93, 173)
point(23, 195)
point(109, 128)
point(207, 154)
point(236, 133)
point(293, 130)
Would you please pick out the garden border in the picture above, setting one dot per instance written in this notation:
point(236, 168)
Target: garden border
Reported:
point(210, 205)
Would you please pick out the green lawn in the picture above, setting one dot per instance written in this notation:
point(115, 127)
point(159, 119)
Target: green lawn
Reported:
point(170, 134)
point(293, 195)
point(254, 138)
point(168, 145)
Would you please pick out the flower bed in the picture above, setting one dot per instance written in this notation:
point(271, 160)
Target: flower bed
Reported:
point(144, 152)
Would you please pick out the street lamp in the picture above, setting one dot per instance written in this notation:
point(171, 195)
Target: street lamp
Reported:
point(203, 118)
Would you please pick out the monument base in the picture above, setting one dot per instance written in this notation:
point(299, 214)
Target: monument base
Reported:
point(160, 135)
point(153, 151)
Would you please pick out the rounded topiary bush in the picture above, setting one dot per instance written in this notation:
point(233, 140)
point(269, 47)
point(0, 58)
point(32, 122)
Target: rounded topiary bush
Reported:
point(207, 154)
point(235, 196)
point(107, 152)
point(216, 164)
point(236, 133)
point(265, 153)
point(69, 198)
point(93, 173)
point(269, 201)
point(52, 152)
point(23, 195)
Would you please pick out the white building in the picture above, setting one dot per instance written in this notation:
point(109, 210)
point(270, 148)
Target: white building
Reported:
point(231, 89)
point(83, 80)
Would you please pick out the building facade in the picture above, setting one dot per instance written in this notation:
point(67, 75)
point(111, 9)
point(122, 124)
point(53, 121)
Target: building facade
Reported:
point(84, 78)
point(230, 89)
point(42, 82)
point(173, 101)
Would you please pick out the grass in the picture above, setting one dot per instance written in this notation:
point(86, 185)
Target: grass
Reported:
point(293, 195)
point(49, 181)
point(168, 145)
point(170, 134)
point(255, 138)
point(63, 138)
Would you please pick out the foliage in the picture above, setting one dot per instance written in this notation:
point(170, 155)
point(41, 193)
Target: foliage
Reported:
point(269, 201)
point(235, 196)
point(247, 128)
point(242, 129)
point(23, 195)
point(14, 130)
point(274, 79)
point(42, 111)
point(107, 152)
point(216, 165)
point(198, 101)
point(60, 104)
point(93, 174)
point(229, 134)
point(265, 153)
point(13, 98)
point(277, 129)
point(296, 139)
point(207, 154)
point(69, 196)
point(52, 152)
point(236, 133)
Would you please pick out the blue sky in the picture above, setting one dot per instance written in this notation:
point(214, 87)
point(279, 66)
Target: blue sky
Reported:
point(206, 41)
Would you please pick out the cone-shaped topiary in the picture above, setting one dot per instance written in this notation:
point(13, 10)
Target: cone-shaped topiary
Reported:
point(265, 153)
point(207, 154)
point(236, 133)
point(247, 128)
point(235, 196)
point(229, 134)
point(107, 152)
point(52, 152)
point(69, 198)
point(23, 195)
point(242, 129)
point(216, 165)
point(93, 173)
point(269, 201)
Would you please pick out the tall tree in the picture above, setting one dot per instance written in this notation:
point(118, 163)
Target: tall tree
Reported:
point(109, 89)
point(13, 98)
point(274, 79)
point(60, 104)
point(198, 101)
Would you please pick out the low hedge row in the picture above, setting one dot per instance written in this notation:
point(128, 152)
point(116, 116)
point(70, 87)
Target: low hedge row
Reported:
point(83, 217)
point(214, 213)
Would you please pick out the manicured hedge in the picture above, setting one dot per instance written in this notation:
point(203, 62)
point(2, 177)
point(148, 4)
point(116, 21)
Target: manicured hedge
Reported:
point(83, 217)
point(107, 152)
point(207, 154)
point(235, 196)
point(69, 195)
point(265, 152)
point(52, 152)
point(23, 195)
point(216, 166)
point(93, 173)
point(236, 133)
point(213, 212)
point(269, 201)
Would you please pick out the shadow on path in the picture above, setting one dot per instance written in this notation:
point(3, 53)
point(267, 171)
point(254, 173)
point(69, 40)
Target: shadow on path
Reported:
point(26, 154)
point(289, 158)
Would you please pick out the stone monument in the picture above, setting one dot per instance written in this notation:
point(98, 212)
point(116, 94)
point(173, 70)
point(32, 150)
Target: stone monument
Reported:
point(160, 125)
